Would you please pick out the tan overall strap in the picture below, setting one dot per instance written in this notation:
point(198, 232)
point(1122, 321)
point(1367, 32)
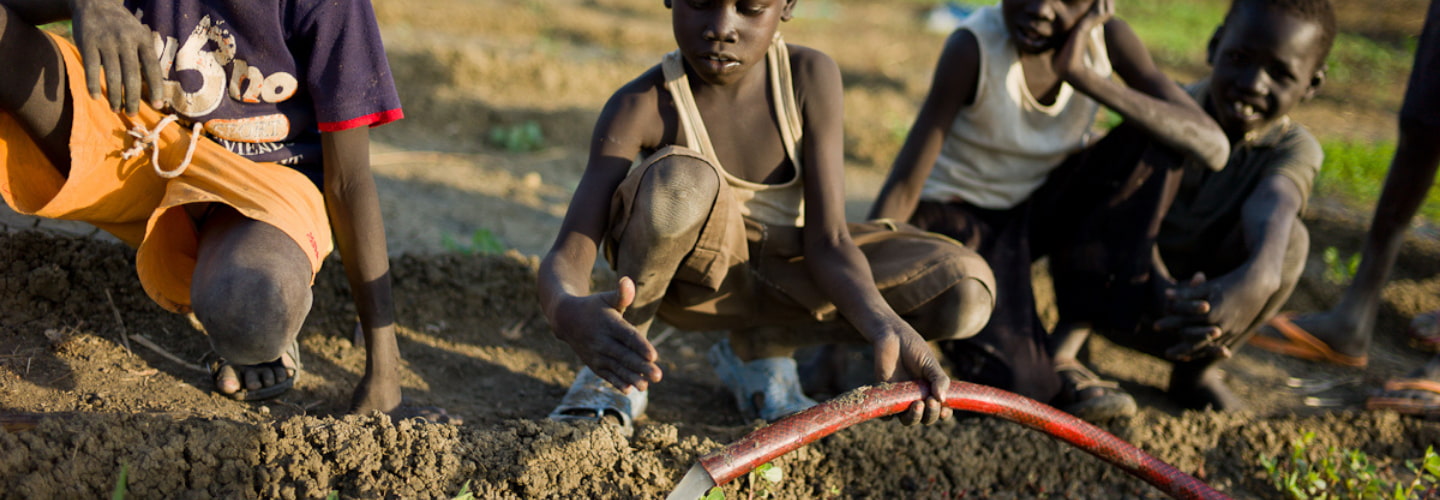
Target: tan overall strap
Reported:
point(782, 86)
point(691, 124)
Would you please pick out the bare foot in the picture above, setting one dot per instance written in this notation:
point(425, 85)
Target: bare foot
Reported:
point(1344, 333)
point(255, 382)
point(1205, 390)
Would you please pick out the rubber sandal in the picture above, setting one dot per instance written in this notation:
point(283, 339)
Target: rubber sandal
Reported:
point(1424, 332)
point(1108, 403)
point(1297, 343)
point(592, 399)
point(266, 392)
point(767, 388)
point(1422, 407)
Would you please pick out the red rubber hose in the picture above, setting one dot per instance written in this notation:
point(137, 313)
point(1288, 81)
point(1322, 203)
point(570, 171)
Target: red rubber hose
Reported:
point(866, 403)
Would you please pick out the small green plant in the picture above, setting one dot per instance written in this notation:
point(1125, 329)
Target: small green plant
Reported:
point(465, 493)
point(518, 138)
point(763, 481)
point(121, 482)
point(482, 242)
point(1339, 270)
point(1307, 473)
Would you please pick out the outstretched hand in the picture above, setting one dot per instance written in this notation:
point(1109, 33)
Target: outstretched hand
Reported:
point(1071, 58)
point(595, 327)
point(119, 50)
point(903, 355)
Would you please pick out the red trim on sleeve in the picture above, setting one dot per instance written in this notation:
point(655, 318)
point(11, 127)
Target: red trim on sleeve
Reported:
point(373, 120)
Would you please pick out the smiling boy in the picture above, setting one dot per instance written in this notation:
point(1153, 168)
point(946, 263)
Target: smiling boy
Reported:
point(1000, 158)
point(1234, 237)
point(758, 246)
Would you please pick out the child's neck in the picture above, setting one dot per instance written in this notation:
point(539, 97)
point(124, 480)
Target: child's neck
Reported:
point(1040, 77)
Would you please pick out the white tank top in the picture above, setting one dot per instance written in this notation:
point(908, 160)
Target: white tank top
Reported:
point(772, 204)
point(1001, 147)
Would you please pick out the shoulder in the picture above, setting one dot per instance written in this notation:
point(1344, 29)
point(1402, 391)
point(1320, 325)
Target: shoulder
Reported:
point(1302, 146)
point(812, 66)
point(1121, 41)
point(641, 90)
point(635, 110)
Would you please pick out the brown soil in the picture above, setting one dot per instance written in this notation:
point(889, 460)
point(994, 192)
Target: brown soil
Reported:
point(72, 362)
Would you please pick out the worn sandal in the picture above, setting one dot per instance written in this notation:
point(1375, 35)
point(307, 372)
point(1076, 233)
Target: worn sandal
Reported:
point(766, 388)
point(1090, 397)
point(591, 398)
point(294, 368)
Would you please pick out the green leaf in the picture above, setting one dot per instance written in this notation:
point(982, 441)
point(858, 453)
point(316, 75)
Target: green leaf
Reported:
point(120, 483)
point(465, 493)
point(771, 473)
point(714, 494)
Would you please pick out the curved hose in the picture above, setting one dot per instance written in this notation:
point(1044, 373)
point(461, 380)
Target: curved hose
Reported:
point(866, 403)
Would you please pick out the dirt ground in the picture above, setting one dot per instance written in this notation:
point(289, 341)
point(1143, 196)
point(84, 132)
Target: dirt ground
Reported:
point(81, 347)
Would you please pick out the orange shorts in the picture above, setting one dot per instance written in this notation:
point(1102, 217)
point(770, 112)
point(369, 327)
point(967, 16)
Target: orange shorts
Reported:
point(129, 199)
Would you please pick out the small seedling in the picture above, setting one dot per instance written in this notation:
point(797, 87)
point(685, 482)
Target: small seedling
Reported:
point(482, 242)
point(465, 493)
point(1309, 474)
point(520, 138)
point(120, 482)
point(1340, 270)
point(762, 481)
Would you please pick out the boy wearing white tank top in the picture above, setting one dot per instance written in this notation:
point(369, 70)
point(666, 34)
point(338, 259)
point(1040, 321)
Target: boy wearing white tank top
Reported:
point(1000, 158)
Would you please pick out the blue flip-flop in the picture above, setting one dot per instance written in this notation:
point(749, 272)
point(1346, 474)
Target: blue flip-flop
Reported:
point(767, 388)
point(591, 399)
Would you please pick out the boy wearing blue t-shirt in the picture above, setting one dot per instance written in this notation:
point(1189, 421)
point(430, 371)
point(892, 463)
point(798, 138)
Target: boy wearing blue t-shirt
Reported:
point(242, 144)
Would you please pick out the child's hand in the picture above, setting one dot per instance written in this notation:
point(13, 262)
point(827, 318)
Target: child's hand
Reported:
point(594, 327)
point(903, 355)
point(111, 38)
point(1070, 61)
point(1210, 314)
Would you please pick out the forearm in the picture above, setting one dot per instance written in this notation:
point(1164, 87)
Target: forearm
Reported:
point(353, 204)
point(901, 193)
point(1181, 125)
point(840, 270)
point(1266, 221)
point(564, 273)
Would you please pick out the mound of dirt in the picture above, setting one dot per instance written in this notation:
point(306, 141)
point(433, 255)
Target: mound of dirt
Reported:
point(475, 344)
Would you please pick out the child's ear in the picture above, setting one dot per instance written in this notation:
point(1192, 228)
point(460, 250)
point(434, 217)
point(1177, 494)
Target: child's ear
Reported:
point(1316, 80)
point(789, 12)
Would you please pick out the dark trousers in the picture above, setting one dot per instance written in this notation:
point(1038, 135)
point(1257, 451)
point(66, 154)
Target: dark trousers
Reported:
point(1096, 217)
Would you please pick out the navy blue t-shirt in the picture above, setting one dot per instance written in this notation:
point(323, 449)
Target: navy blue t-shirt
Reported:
point(267, 76)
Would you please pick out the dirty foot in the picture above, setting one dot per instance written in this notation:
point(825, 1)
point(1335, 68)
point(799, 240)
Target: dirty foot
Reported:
point(1205, 391)
point(259, 381)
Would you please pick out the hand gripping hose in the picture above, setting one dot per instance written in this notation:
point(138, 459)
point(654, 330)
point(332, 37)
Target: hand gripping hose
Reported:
point(866, 403)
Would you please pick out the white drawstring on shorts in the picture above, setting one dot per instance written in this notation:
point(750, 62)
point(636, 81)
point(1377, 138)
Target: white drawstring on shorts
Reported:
point(149, 138)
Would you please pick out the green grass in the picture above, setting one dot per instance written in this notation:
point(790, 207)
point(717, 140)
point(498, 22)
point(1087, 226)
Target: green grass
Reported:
point(1354, 173)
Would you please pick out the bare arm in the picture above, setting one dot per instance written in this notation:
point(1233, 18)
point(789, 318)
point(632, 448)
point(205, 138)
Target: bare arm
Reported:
point(952, 88)
point(1147, 97)
point(593, 324)
point(353, 205)
point(832, 257)
point(1209, 313)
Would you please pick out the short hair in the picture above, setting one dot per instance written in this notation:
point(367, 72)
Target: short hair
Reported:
point(1316, 11)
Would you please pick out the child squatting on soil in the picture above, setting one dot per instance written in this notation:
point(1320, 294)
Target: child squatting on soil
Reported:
point(1233, 238)
point(1000, 158)
point(758, 246)
point(1342, 335)
point(231, 117)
